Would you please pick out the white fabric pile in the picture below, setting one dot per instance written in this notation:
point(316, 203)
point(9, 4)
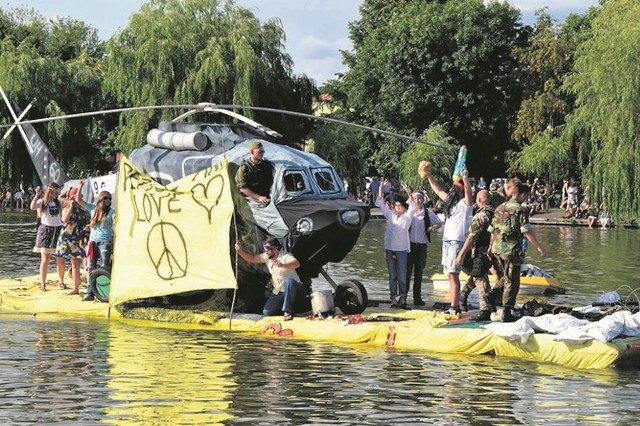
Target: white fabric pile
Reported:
point(570, 329)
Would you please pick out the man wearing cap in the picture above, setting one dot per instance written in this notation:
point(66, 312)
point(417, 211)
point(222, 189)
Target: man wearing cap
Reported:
point(288, 291)
point(422, 223)
point(255, 175)
point(458, 209)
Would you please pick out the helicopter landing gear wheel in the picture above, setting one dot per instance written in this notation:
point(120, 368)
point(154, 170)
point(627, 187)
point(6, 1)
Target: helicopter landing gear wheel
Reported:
point(351, 297)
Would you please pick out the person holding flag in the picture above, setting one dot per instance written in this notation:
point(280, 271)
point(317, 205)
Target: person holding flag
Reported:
point(458, 210)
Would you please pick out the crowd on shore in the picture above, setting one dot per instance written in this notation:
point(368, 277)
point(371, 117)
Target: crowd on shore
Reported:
point(568, 196)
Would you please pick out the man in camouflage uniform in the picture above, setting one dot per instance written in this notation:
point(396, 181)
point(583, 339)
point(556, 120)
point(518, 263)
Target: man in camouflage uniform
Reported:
point(510, 223)
point(478, 241)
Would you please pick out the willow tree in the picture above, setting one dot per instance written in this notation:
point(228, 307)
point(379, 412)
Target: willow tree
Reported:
point(59, 63)
point(188, 51)
point(442, 158)
point(605, 121)
point(545, 64)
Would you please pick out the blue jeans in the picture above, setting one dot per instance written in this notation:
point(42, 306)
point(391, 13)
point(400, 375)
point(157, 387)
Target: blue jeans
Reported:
point(286, 300)
point(397, 266)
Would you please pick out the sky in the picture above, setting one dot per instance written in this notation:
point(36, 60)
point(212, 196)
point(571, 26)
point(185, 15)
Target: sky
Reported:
point(316, 30)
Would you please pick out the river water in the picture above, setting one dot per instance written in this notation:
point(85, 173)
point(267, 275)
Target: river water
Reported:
point(81, 371)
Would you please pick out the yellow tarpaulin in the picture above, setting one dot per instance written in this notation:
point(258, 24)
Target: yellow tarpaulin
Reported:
point(171, 239)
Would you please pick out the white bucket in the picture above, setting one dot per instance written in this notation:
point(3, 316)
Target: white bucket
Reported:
point(322, 302)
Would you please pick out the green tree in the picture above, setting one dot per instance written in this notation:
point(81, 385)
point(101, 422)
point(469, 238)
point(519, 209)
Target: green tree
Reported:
point(339, 145)
point(545, 63)
point(419, 62)
point(442, 160)
point(187, 51)
point(605, 122)
point(59, 63)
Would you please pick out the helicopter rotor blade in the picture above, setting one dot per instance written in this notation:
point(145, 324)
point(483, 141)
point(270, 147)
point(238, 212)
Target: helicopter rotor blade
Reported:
point(202, 106)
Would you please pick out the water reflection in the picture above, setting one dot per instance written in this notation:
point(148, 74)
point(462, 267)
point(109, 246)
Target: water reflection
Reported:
point(51, 370)
point(120, 373)
point(155, 376)
point(56, 369)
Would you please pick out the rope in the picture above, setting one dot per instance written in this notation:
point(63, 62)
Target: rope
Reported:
point(235, 290)
point(632, 293)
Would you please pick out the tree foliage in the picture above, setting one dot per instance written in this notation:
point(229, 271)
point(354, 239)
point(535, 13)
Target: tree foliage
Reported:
point(419, 62)
point(339, 145)
point(59, 63)
point(605, 123)
point(187, 51)
point(442, 160)
point(545, 64)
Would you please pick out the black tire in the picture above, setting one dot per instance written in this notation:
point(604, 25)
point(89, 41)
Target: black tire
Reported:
point(351, 297)
point(100, 282)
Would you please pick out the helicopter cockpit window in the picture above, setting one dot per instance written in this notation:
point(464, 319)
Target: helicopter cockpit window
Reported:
point(295, 182)
point(325, 180)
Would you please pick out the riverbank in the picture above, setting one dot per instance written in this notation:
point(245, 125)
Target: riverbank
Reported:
point(549, 217)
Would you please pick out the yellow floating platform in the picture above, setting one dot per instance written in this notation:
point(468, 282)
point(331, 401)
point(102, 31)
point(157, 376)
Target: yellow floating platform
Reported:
point(411, 330)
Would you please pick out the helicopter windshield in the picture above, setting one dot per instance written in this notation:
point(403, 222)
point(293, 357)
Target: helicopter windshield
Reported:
point(295, 182)
point(325, 180)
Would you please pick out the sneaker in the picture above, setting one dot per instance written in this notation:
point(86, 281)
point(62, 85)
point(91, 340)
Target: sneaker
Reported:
point(88, 298)
point(419, 302)
point(454, 311)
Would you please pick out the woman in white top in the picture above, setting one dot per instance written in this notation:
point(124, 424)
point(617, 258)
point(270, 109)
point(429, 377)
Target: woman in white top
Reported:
point(423, 222)
point(49, 209)
point(396, 243)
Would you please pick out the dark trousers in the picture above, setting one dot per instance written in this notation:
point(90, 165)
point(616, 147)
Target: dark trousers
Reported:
point(416, 262)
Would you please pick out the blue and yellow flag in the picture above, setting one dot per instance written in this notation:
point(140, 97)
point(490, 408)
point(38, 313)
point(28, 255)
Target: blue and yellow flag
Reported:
point(171, 239)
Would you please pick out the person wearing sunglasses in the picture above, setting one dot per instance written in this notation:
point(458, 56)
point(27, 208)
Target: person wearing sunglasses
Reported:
point(288, 292)
point(101, 235)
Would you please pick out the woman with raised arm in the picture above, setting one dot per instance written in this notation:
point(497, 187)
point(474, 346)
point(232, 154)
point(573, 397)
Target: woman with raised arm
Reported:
point(48, 208)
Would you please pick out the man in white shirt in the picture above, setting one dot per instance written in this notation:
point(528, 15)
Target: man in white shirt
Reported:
point(458, 210)
point(288, 291)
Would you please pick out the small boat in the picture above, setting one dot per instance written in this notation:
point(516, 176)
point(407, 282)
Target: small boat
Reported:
point(534, 281)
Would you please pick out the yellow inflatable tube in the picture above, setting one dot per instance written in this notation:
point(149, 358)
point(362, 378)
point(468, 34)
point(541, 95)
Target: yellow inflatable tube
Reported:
point(411, 330)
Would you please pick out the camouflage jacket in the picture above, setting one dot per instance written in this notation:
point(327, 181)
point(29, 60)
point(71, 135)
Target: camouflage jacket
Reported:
point(478, 230)
point(510, 223)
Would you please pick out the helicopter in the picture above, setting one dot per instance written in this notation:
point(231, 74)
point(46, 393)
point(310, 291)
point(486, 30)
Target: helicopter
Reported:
point(309, 209)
